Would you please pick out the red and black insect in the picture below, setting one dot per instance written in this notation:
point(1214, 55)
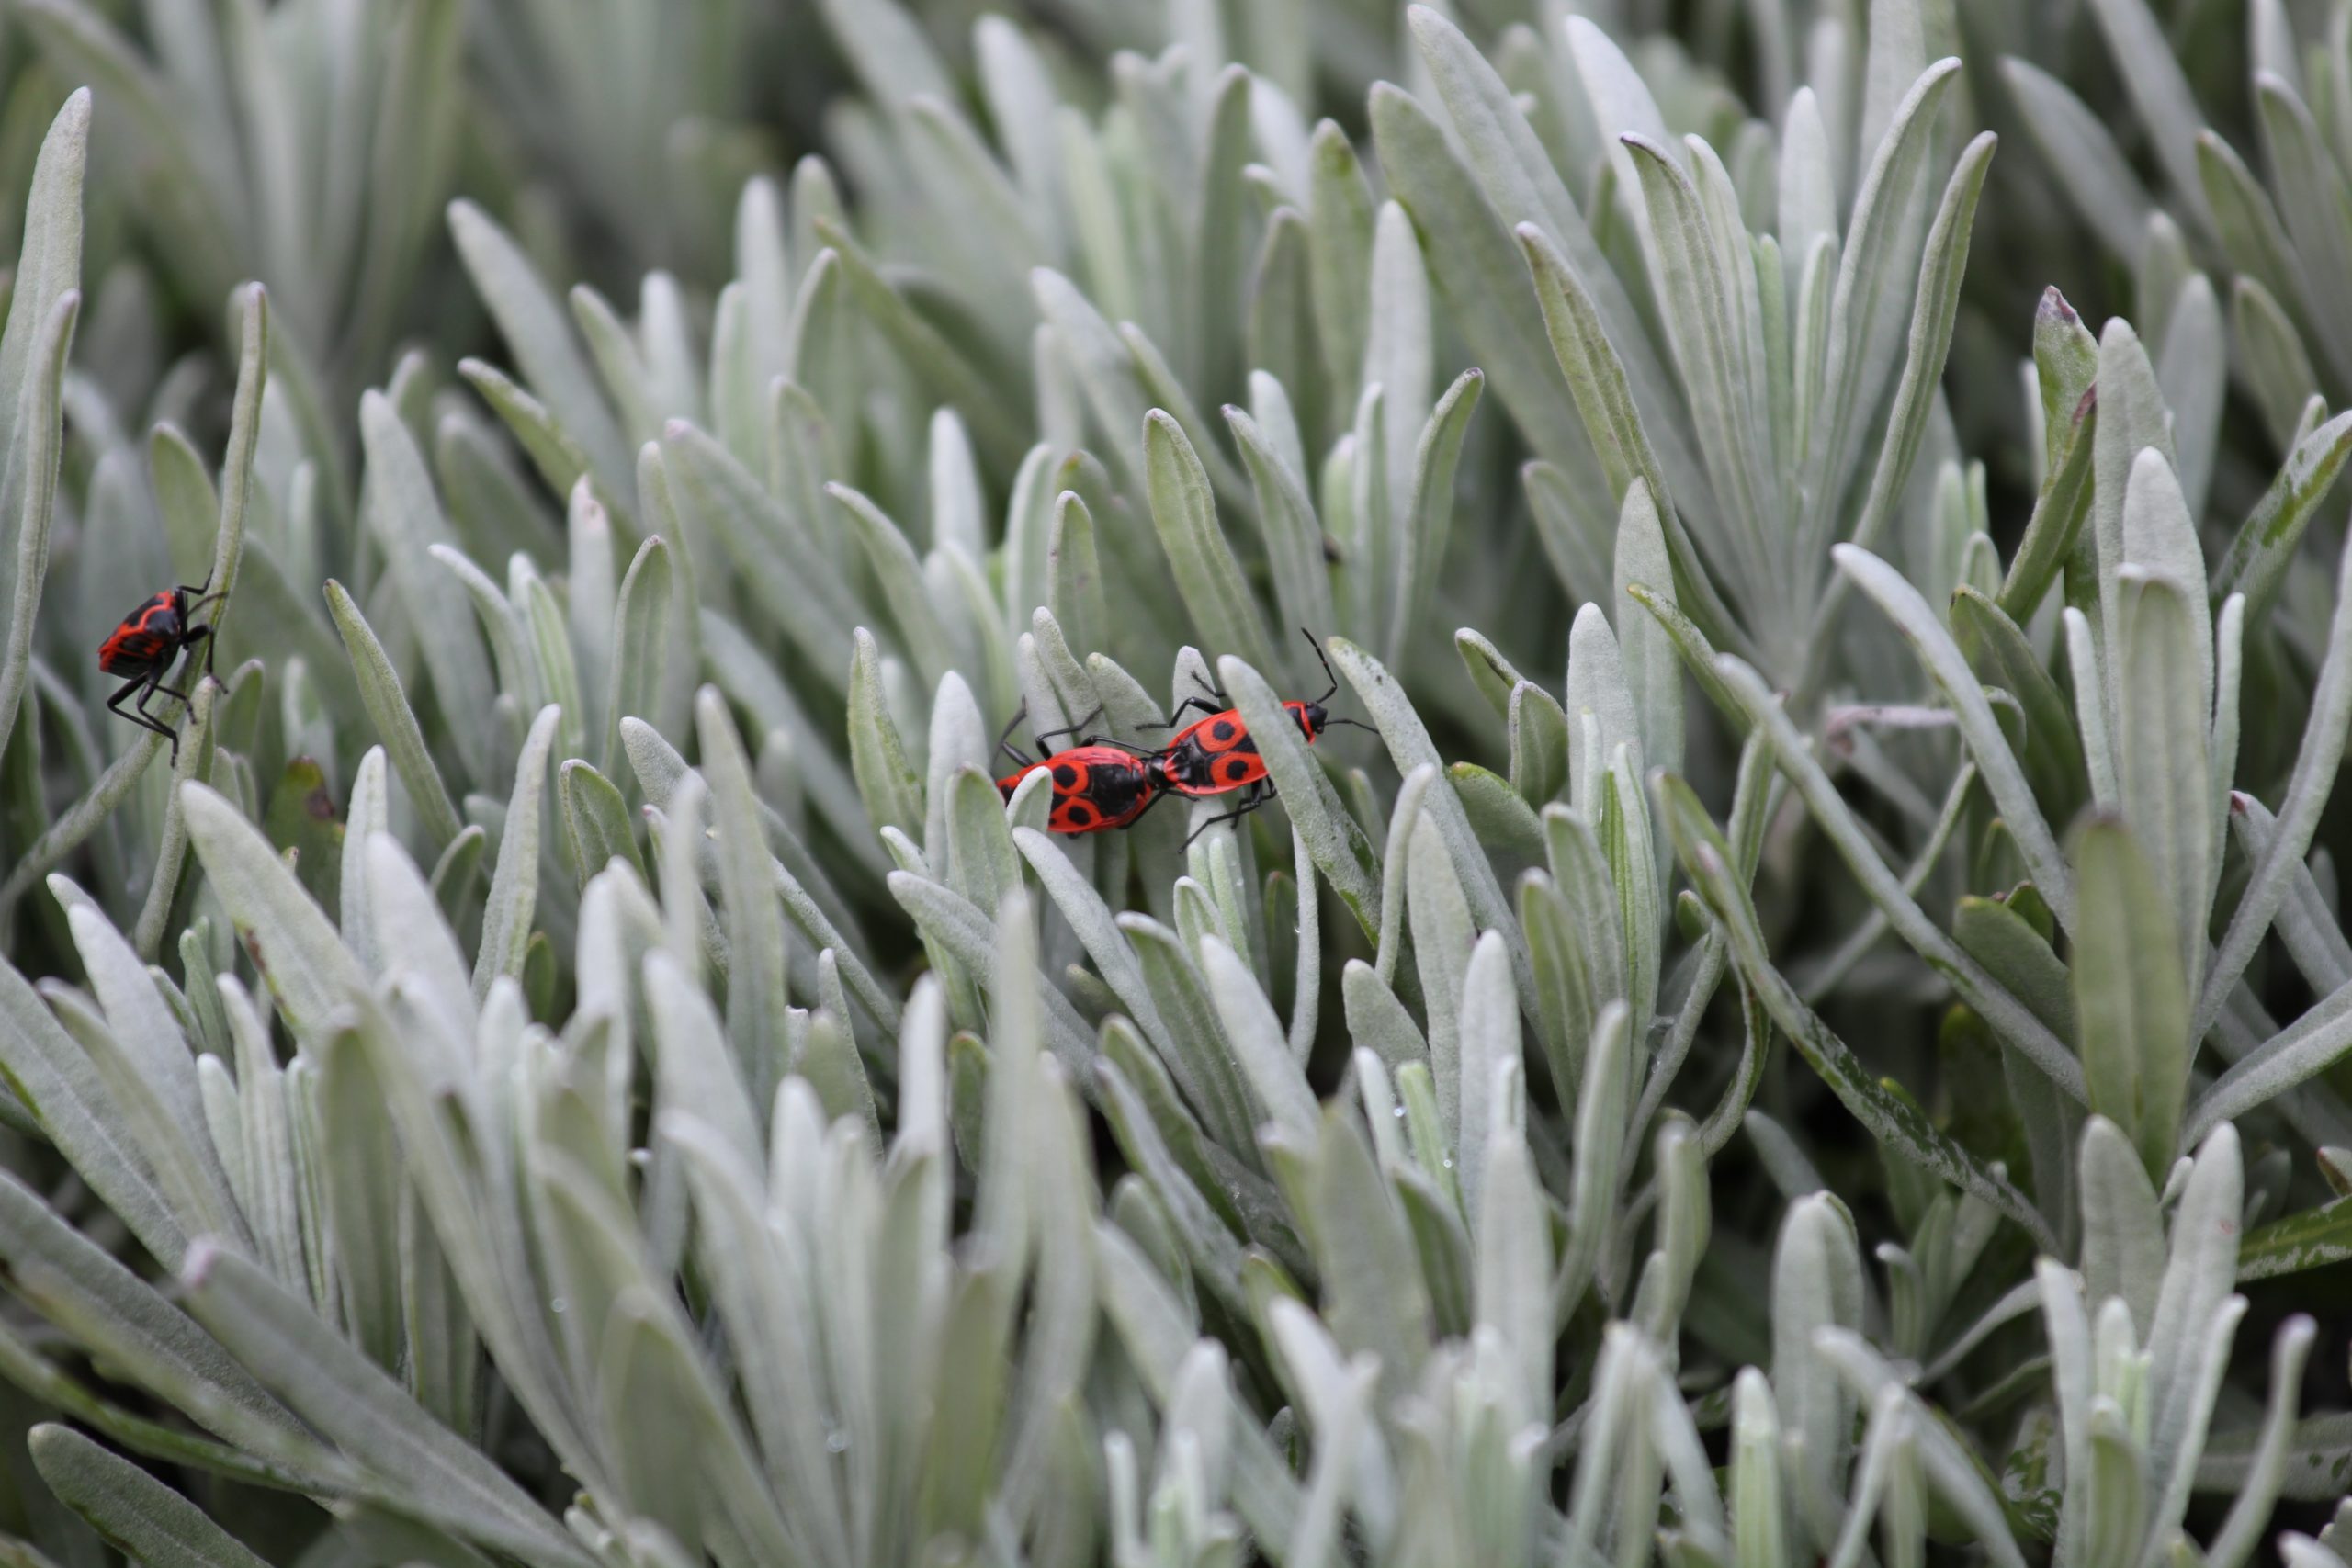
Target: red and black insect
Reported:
point(144, 647)
point(1216, 755)
point(1096, 786)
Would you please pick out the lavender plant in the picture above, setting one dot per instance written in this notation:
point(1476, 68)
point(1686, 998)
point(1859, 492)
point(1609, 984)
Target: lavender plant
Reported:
point(577, 1060)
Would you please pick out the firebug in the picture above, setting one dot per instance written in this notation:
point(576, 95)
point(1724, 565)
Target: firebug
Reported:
point(1216, 755)
point(144, 647)
point(1096, 786)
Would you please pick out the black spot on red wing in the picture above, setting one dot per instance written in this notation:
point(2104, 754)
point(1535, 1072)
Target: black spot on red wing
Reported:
point(1223, 731)
point(1065, 776)
point(1078, 814)
point(1236, 769)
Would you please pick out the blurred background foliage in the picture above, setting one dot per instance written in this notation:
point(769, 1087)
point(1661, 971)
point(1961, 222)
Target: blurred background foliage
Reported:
point(712, 421)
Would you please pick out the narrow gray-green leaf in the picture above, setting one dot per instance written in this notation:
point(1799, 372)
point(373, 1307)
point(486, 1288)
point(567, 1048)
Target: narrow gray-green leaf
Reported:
point(2124, 1231)
point(1339, 846)
point(514, 885)
point(539, 334)
point(783, 566)
point(1205, 572)
point(2307, 919)
point(305, 964)
point(2302, 1050)
point(147, 1520)
point(2307, 791)
point(1409, 746)
point(1277, 1080)
point(1705, 326)
point(1873, 269)
point(2152, 72)
point(1480, 278)
point(1896, 1120)
point(2131, 995)
point(31, 467)
point(395, 721)
point(196, 752)
point(1948, 668)
point(1286, 517)
point(2161, 747)
point(895, 570)
point(359, 1405)
point(1937, 302)
point(1427, 520)
point(408, 523)
point(641, 639)
point(928, 353)
point(49, 267)
point(70, 1279)
point(2266, 542)
point(885, 780)
point(2080, 150)
point(1339, 255)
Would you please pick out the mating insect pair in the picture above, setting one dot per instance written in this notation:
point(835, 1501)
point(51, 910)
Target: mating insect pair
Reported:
point(144, 645)
point(1102, 782)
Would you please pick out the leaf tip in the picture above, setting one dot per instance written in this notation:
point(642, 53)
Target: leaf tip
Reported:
point(203, 1257)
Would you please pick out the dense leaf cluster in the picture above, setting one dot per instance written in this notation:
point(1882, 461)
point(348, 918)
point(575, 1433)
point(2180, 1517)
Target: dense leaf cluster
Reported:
point(574, 1060)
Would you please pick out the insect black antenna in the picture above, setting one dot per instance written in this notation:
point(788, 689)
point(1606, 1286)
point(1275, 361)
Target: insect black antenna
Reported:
point(1329, 719)
point(1324, 659)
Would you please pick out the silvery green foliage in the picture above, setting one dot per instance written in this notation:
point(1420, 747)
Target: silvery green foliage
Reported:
point(578, 1063)
point(308, 146)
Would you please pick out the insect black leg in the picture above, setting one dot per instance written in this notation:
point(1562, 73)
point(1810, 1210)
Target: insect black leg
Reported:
point(156, 687)
point(1004, 741)
point(1324, 659)
point(1092, 714)
point(1187, 705)
point(193, 635)
point(1202, 704)
point(1259, 793)
point(1149, 801)
point(138, 714)
point(1129, 747)
point(189, 634)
